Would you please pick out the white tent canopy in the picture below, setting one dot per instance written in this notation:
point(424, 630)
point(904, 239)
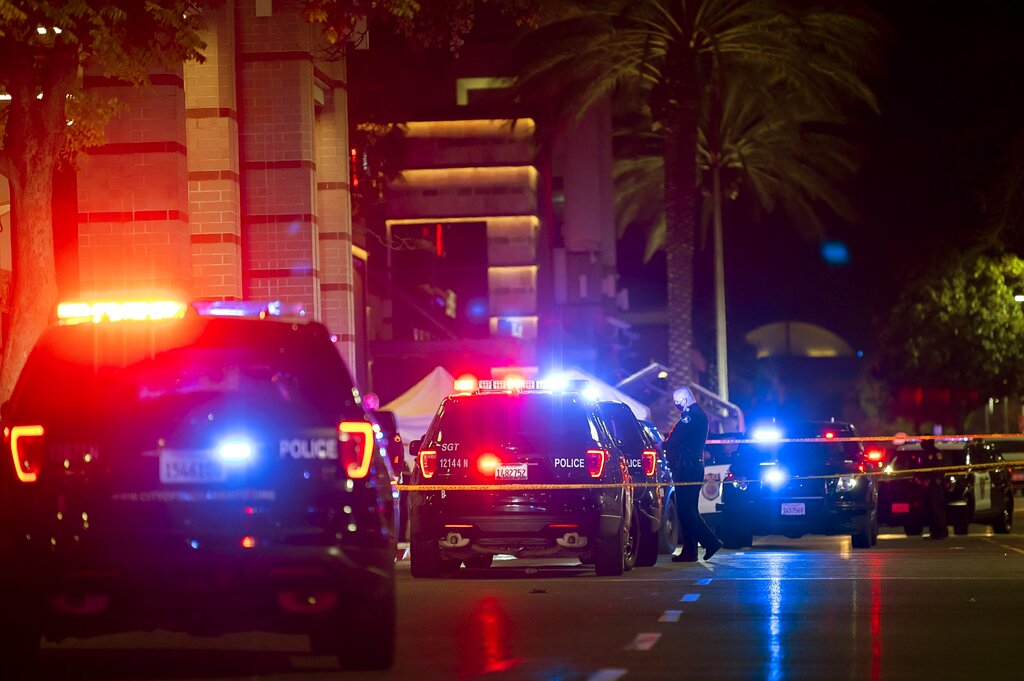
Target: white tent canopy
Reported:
point(604, 391)
point(414, 408)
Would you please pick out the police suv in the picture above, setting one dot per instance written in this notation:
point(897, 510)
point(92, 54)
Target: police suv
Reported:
point(484, 451)
point(166, 469)
point(793, 479)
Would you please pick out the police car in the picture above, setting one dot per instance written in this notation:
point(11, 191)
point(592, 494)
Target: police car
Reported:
point(515, 434)
point(804, 487)
point(166, 469)
point(654, 504)
point(976, 488)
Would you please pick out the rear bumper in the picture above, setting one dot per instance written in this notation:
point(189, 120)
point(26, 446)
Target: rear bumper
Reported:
point(566, 525)
point(85, 591)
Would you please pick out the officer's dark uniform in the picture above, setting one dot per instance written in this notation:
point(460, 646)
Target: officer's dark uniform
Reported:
point(934, 493)
point(685, 450)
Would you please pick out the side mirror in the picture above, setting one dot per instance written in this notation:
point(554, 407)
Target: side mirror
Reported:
point(414, 447)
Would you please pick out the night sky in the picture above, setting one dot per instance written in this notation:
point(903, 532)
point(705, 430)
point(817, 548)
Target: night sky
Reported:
point(951, 91)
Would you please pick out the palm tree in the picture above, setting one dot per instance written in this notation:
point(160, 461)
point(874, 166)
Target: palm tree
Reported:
point(668, 51)
point(782, 151)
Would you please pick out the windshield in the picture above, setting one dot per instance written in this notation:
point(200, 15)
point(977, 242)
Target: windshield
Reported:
point(531, 420)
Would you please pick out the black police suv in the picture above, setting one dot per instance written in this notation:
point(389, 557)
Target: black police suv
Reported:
point(198, 474)
point(797, 488)
point(647, 465)
point(520, 437)
point(977, 486)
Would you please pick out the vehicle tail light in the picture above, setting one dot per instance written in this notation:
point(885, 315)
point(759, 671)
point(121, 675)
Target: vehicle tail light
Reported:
point(595, 462)
point(26, 450)
point(355, 439)
point(487, 463)
point(650, 462)
point(428, 462)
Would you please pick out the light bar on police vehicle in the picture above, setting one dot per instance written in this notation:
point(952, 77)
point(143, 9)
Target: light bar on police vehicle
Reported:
point(518, 384)
point(82, 312)
point(248, 308)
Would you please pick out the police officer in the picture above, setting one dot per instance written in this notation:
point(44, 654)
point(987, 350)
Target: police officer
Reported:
point(685, 451)
point(934, 492)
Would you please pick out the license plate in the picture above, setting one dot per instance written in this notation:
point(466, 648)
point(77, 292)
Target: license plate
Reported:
point(181, 468)
point(796, 508)
point(901, 508)
point(510, 471)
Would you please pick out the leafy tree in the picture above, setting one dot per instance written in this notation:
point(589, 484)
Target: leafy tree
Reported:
point(49, 119)
point(669, 52)
point(42, 48)
point(958, 326)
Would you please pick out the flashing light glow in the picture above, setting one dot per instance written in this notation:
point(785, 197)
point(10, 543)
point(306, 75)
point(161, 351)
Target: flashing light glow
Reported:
point(774, 476)
point(830, 435)
point(428, 462)
point(590, 393)
point(487, 463)
point(358, 456)
point(767, 434)
point(465, 383)
point(248, 542)
point(248, 308)
point(21, 438)
point(117, 311)
point(595, 462)
point(235, 451)
point(875, 454)
point(41, 30)
point(556, 382)
point(662, 374)
point(515, 382)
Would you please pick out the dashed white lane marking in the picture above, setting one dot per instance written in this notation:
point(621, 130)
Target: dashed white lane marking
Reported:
point(607, 675)
point(644, 641)
point(702, 582)
point(689, 598)
point(670, 616)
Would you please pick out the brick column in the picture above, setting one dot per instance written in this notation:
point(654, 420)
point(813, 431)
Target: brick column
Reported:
point(278, 170)
point(334, 213)
point(212, 134)
point(133, 223)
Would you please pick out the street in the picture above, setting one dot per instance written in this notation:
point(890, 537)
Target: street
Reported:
point(809, 608)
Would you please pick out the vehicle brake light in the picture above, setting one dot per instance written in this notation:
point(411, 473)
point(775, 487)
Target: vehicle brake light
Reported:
point(595, 462)
point(428, 462)
point(874, 454)
point(26, 450)
point(650, 462)
point(830, 435)
point(356, 444)
point(487, 463)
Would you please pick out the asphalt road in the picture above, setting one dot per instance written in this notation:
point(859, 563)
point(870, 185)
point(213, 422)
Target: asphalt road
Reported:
point(811, 608)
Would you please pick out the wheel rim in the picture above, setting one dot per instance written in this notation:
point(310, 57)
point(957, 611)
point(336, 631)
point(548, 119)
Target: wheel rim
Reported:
point(632, 540)
point(671, 534)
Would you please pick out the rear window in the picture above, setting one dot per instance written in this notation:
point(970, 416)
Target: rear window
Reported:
point(80, 370)
point(528, 420)
point(913, 459)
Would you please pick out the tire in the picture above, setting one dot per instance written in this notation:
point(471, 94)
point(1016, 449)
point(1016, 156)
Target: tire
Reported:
point(480, 561)
point(913, 530)
point(861, 538)
point(961, 518)
point(1004, 524)
point(668, 533)
point(362, 635)
point(425, 559)
point(735, 536)
point(648, 554)
point(632, 542)
point(20, 639)
point(610, 554)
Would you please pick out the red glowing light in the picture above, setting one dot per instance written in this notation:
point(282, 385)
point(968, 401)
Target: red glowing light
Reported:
point(595, 462)
point(248, 542)
point(487, 463)
point(428, 462)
